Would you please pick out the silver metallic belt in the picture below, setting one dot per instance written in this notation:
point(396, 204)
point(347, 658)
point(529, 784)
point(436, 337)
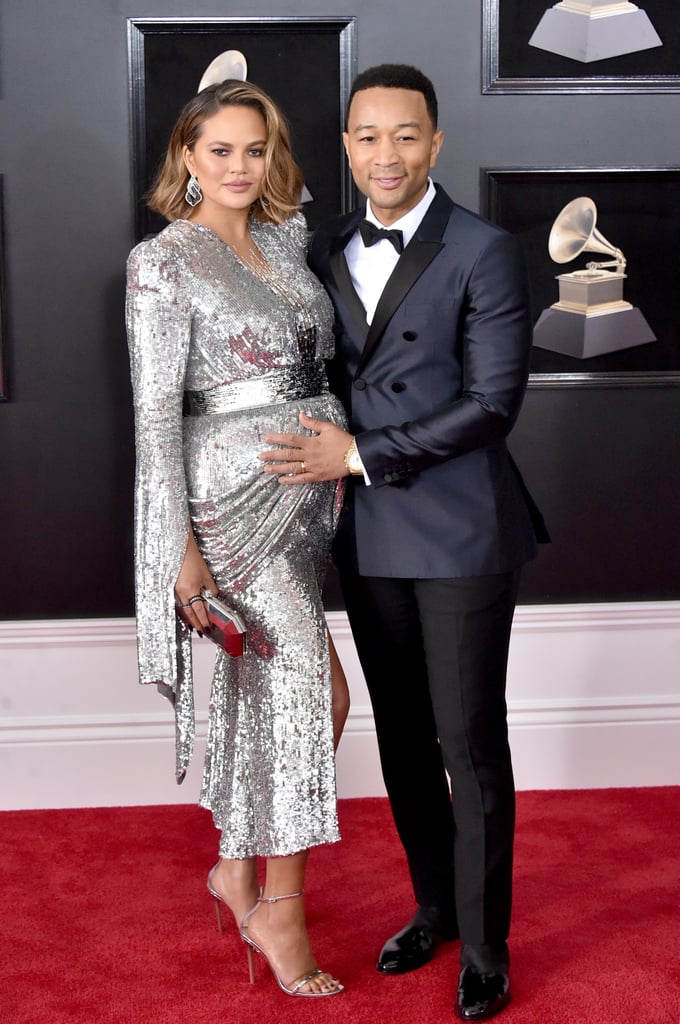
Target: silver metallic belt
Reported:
point(287, 384)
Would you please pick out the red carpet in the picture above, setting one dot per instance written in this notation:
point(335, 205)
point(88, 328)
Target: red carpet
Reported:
point(105, 918)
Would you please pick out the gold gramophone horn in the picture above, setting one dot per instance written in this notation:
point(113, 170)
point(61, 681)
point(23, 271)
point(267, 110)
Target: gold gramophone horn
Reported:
point(574, 232)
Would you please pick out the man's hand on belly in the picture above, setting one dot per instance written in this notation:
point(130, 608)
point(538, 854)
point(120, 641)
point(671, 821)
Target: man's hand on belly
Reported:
point(302, 459)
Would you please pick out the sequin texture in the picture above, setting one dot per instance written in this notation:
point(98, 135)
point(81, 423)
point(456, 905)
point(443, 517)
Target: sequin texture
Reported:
point(197, 320)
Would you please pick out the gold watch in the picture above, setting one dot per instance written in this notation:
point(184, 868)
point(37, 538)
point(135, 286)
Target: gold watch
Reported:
point(353, 463)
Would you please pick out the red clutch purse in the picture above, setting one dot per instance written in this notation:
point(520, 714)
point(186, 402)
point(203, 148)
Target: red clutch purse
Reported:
point(227, 628)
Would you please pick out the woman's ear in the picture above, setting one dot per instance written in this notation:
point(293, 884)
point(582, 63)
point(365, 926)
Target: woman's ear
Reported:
point(188, 157)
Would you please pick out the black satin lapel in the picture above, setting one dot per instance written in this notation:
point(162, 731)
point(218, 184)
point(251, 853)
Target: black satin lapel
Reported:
point(415, 258)
point(343, 281)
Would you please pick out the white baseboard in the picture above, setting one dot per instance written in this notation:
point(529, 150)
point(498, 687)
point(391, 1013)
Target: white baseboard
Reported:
point(592, 695)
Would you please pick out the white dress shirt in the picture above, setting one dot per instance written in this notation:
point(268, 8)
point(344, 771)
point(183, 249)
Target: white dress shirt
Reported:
point(370, 267)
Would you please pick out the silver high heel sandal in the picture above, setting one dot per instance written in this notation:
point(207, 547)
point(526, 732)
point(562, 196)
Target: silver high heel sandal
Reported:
point(252, 945)
point(219, 899)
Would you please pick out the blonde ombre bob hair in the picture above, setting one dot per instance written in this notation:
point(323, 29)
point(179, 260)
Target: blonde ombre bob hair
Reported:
point(283, 179)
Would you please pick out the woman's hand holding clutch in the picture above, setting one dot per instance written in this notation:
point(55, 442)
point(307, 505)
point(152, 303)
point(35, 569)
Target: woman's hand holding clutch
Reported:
point(193, 577)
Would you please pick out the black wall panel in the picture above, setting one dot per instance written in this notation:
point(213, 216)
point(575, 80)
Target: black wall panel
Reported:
point(602, 462)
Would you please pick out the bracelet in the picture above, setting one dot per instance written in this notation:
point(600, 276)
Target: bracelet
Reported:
point(352, 460)
point(350, 451)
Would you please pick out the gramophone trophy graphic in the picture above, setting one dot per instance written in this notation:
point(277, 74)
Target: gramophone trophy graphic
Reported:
point(591, 317)
point(588, 30)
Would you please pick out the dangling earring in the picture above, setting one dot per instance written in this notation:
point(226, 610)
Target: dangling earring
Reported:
point(193, 194)
point(265, 200)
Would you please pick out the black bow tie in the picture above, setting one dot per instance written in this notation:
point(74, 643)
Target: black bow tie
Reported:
point(371, 233)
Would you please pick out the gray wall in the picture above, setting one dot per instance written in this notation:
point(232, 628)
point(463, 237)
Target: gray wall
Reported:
point(603, 463)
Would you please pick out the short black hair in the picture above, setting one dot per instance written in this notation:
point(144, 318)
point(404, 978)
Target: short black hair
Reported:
point(396, 76)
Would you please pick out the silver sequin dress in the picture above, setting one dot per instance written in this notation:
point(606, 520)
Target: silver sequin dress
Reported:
point(200, 321)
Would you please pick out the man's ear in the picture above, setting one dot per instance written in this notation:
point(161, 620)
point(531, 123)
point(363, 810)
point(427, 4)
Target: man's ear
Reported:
point(345, 142)
point(437, 141)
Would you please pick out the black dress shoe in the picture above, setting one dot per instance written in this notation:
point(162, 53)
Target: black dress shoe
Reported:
point(481, 996)
point(415, 945)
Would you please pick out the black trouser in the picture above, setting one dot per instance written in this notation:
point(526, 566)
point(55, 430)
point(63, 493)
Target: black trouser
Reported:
point(434, 654)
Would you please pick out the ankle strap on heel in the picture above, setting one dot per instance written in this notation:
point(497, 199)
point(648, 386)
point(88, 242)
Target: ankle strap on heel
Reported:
point(275, 899)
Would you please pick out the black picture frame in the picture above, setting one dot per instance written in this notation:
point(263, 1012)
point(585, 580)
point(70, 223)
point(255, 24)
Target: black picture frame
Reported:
point(638, 210)
point(306, 64)
point(4, 396)
point(510, 65)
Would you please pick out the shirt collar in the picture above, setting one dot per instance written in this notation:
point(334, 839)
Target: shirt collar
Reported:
point(410, 222)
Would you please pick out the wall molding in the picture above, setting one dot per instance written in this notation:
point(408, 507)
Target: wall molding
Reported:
point(592, 701)
point(67, 632)
point(577, 618)
point(528, 618)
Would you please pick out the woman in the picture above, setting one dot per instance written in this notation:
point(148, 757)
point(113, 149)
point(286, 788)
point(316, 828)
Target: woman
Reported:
point(224, 317)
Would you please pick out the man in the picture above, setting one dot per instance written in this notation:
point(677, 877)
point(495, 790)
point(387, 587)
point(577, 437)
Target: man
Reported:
point(434, 335)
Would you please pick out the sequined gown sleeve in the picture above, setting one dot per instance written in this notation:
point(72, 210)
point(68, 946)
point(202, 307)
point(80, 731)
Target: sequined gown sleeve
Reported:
point(158, 319)
point(199, 321)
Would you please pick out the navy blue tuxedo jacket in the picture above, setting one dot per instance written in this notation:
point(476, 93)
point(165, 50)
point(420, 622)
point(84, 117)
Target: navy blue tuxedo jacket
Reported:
point(432, 389)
